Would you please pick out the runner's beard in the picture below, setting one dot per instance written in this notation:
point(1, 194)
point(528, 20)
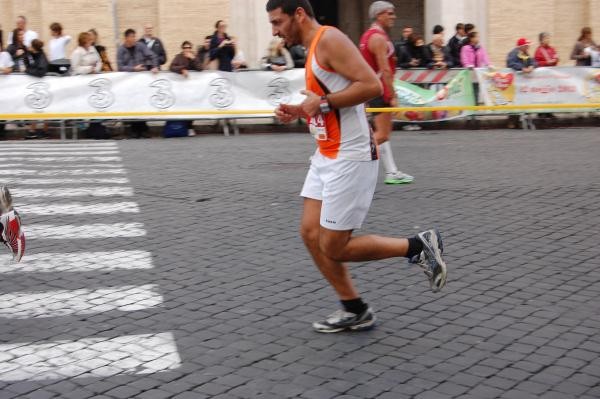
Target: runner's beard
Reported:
point(293, 37)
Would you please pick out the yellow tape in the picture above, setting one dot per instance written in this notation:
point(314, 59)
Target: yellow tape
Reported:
point(191, 114)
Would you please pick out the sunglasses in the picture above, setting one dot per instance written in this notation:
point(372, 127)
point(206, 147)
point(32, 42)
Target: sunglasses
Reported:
point(187, 48)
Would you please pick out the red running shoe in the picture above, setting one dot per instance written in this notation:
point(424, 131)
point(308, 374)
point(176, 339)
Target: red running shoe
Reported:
point(10, 226)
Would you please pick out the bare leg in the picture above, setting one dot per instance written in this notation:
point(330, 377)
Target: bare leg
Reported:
point(336, 273)
point(342, 247)
point(383, 127)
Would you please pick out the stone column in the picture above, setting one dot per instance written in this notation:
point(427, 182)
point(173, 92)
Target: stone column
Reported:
point(249, 23)
point(449, 13)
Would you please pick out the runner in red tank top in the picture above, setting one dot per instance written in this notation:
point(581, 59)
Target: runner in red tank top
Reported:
point(378, 50)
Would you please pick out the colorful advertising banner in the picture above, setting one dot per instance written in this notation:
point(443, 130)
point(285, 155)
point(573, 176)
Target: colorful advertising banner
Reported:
point(457, 92)
point(558, 85)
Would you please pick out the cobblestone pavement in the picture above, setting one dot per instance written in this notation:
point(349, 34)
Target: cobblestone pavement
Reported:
point(173, 269)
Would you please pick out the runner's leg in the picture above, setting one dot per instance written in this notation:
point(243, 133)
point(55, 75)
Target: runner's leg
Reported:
point(336, 273)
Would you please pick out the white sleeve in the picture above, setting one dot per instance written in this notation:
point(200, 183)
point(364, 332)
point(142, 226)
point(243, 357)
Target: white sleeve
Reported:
point(6, 60)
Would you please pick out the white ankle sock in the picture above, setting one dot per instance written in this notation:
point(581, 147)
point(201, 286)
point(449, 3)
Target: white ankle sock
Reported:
point(385, 150)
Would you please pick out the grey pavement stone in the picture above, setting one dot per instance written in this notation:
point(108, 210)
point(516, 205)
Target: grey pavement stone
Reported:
point(239, 291)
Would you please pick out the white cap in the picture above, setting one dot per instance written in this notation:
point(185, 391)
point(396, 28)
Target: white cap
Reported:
point(378, 7)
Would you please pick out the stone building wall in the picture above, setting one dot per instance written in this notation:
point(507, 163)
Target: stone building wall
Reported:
point(178, 20)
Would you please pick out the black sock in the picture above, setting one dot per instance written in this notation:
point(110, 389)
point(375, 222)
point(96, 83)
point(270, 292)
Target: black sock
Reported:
point(415, 246)
point(356, 306)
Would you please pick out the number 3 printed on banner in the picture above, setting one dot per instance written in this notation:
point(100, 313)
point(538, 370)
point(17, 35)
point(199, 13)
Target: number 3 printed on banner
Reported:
point(40, 98)
point(164, 97)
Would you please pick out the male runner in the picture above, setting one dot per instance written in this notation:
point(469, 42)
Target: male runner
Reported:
point(11, 234)
point(378, 50)
point(341, 181)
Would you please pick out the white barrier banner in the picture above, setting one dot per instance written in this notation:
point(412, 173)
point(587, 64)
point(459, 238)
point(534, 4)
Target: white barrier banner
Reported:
point(146, 92)
point(558, 85)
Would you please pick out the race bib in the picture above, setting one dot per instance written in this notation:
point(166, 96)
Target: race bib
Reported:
point(317, 128)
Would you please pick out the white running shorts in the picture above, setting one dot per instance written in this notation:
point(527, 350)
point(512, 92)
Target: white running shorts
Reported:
point(345, 187)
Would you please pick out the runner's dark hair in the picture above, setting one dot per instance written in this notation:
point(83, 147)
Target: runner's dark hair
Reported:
point(289, 7)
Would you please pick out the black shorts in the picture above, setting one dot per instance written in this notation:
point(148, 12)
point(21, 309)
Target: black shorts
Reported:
point(379, 102)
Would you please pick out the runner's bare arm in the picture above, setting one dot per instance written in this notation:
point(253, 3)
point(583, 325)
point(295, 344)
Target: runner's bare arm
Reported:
point(379, 47)
point(335, 51)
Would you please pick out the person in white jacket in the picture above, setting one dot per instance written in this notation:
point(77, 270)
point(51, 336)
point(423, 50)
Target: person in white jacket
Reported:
point(58, 43)
point(85, 59)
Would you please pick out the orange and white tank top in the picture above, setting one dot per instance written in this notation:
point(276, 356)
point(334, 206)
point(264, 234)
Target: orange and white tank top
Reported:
point(342, 133)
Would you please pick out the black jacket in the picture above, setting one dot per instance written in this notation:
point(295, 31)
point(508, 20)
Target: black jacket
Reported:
point(158, 49)
point(408, 52)
point(224, 54)
point(36, 64)
point(455, 45)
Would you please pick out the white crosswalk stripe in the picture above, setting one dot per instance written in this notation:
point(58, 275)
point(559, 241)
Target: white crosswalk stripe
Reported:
point(60, 173)
point(89, 357)
point(41, 182)
point(25, 305)
point(62, 159)
point(61, 153)
point(52, 262)
point(79, 209)
point(73, 192)
point(97, 230)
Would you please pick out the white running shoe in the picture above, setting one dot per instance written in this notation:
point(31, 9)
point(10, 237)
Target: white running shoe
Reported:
point(398, 178)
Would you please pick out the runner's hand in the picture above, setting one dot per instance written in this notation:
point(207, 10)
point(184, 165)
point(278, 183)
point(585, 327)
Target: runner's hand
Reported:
point(311, 106)
point(287, 113)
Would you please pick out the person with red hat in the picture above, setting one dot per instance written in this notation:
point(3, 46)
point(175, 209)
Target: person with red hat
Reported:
point(519, 58)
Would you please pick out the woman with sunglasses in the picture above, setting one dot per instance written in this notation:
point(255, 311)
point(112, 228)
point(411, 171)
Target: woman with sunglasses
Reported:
point(186, 60)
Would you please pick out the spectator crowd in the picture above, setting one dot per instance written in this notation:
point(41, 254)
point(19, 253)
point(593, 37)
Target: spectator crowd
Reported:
point(26, 53)
point(220, 51)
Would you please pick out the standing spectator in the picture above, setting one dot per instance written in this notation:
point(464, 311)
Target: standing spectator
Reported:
point(106, 65)
point(398, 46)
point(154, 44)
point(438, 30)
point(222, 47)
point(298, 53)
point(29, 34)
point(58, 43)
point(6, 63)
point(18, 50)
point(407, 31)
point(278, 58)
point(85, 59)
point(186, 60)
point(133, 56)
point(438, 54)
point(519, 58)
point(546, 55)
point(36, 63)
point(202, 55)
point(468, 29)
point(456, 42)
point(414, 54)
point(183, 63)
point(472, 54)
point(582, 50)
